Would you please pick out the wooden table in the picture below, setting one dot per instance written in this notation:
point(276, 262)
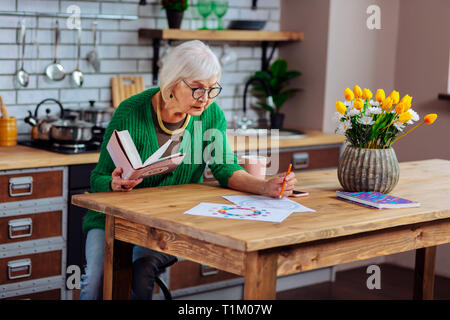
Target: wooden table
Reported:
point(338, 232)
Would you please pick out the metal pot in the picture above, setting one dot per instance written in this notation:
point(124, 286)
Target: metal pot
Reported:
point(98, 116)
point(42, 126)
point(71, 130)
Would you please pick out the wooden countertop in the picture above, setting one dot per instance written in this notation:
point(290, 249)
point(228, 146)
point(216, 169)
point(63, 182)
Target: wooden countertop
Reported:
point(22, 157)
point(313, 138)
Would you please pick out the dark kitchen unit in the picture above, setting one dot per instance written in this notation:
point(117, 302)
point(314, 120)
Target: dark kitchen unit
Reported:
point(79, 176)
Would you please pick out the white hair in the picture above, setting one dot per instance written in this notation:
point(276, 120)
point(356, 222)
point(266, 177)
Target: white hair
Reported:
point(192, 60)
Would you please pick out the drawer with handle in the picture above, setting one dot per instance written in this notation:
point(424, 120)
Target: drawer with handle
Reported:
point(30, 226)
point(31, 185)
point(54, 294)
point(309, 159)
point(29, 267)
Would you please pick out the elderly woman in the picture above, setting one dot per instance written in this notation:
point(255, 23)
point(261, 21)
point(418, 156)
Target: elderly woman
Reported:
point(182, 106)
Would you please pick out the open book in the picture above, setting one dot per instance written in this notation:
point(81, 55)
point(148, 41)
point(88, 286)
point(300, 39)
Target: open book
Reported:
point(124, 154)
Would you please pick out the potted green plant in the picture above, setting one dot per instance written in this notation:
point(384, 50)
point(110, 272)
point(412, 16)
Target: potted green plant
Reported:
point(277, 77)
point(174, 11)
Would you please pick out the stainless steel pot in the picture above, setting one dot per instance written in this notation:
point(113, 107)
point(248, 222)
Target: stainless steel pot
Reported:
point(98, 116)
point(71, 130)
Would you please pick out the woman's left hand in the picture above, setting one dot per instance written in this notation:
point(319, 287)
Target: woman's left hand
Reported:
point(272, 187)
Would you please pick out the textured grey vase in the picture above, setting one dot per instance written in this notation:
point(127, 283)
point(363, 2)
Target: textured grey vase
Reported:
point(363, 170)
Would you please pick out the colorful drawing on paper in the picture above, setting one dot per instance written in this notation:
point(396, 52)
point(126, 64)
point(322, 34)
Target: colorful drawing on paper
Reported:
point(238, 212)
point(241, 212)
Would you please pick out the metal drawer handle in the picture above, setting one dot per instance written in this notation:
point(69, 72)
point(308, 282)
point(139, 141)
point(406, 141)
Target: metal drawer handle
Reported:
point(17, 225)
point(20, 183)
point(19, 265)
point(301, 160)
point(208, 271)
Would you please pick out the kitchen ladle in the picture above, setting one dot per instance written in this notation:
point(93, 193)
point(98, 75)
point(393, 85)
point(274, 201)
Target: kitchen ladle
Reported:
point(77, 75)
point(55, 71)
point(92, 56)
point(23, 78)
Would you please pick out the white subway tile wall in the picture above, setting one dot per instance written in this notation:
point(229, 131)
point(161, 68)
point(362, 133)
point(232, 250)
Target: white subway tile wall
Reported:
point(120, 49)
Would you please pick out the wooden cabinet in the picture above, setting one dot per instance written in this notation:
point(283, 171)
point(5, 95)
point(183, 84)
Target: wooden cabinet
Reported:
point(198, 275)
point(302, 158)
point(33, 233)
point(30, 267)
point(31, 226)
point(309, 158)
point(29, 185)
point(54, 294)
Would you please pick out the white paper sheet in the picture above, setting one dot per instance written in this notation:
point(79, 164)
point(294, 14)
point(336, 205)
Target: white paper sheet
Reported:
point(230, 211)
point(268, 203)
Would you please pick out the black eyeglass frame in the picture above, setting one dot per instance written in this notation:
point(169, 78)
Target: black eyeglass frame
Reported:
point(204, 90)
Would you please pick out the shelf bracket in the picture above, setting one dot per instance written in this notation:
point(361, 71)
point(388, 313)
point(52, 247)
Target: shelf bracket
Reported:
point(265, 61)
point(156, 47)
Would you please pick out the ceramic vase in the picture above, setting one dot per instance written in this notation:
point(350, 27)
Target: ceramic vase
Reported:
point(365, 170)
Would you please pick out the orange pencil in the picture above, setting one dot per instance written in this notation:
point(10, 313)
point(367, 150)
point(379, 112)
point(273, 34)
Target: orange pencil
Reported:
point(284, 180)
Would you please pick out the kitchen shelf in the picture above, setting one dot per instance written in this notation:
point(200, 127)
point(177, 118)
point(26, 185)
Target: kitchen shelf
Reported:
point(67, 15)
point(220, 35)
point(265, 37)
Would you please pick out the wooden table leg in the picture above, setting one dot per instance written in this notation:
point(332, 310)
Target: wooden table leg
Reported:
point(117, 275)
point(261, 275)
point(424, 273)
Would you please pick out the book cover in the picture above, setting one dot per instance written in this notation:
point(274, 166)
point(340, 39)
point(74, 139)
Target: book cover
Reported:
point(376, 200)
point(124, 154)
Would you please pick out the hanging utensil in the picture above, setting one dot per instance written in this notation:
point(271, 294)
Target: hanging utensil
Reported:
point(36, 46)
point(23, 78)
point(77, 75)
point(55, 71)
point(92, 56)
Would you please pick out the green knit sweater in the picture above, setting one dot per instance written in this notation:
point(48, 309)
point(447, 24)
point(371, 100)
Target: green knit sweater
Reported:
point(135, 115)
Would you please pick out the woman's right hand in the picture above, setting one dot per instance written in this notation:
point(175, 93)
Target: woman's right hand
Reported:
point(119, 184)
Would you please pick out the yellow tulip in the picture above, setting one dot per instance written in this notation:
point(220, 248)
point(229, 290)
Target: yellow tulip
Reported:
point(430, 118)
point(400, 108)
point(387, 103)
point(394, 96)
point(380, 95)
point(358, 104)
point(357, 91)
point(340, 107)
point(348, 94)
point(367, 94)
point(407, 99)
point(405, 117)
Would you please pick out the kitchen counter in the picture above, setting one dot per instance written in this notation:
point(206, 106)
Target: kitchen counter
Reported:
point(22, 157)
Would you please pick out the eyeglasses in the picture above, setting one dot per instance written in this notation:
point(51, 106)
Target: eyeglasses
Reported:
point(197, 93)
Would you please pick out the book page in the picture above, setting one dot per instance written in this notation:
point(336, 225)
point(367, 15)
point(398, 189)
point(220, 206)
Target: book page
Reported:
point(158, 153)
point(268, 203)
point(129, 148)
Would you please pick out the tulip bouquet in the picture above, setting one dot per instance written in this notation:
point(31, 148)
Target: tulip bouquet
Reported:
point(375, 124)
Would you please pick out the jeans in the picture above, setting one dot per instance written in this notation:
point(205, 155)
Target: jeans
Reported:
point(147, 264)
